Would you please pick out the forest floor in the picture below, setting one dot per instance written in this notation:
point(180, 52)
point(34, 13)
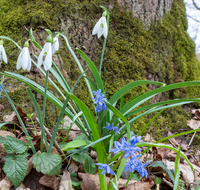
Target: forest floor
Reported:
point(73, 175)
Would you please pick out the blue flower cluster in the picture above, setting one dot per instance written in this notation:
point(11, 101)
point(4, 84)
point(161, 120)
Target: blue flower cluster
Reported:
point(110, 127)
point(130, 149)
point(99, 100)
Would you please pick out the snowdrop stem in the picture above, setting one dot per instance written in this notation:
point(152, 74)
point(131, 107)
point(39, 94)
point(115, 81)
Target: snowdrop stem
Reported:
point(43, 112)
point(104, 45)
point(99, 125)
point(102, 54)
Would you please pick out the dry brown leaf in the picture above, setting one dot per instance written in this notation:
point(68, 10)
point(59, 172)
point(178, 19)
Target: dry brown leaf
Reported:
point(1, 107)
point(91, 182)
point(148, 138)
point(22, 187)
point(66, 183)
point(197, 114)
point(196, 175)
point(74, 132)
point(30, 166)
point(5, 184)
point(193, 123)
point(185, 170)
point(6, 133)
point(13, 118)
point(172, 140)
point(49, 181)
point(140, 186)
point(73, 167)
point(194, 110)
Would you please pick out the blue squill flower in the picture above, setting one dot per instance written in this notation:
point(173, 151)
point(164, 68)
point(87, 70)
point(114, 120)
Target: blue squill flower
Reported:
point(135, 164)
point(119, 146)
point(106, 169)
point(3, 87)
point(99, 100)
point(110, 127)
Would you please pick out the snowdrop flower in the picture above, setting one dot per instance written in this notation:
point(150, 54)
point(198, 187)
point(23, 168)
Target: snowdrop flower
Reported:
point(2, 53)
point(24, 59)
point(55, 45)
point(101, 27)
point(46, 51)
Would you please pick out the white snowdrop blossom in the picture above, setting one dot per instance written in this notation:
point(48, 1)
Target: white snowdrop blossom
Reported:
point(101, 28)
point(3, 55)
point(46, 51)
point(55, 46)
point(24, 59)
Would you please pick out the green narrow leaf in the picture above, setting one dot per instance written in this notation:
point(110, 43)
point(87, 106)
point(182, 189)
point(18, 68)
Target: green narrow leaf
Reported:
point(92, 83)
point(142, 144)
point(16, 168)
point(2, 124)
point(89, 165)
point(177, 169)
point(47, 163)
point(141, 99)
point(93, 70)
point(114, 185)
point(74, 144)
point(13, 145)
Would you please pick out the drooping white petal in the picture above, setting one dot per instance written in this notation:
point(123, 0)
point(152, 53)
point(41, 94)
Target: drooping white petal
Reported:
point(19, 60)
point(25, 58)
point(48, 59)
point(105, 28)
point(55, 46)
point(4, 56)
point(39, 63)
point(101, 28)
point(29, 62)
point(97, 27)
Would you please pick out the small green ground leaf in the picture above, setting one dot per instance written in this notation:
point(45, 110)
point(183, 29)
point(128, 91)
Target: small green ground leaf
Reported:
point(164, 167)
point(89, 165)
point(13, 145)
point(76, 183)
point(15, 168)
point(74, 144)
point(47, 163)
point(79, 157)
point(2, 139)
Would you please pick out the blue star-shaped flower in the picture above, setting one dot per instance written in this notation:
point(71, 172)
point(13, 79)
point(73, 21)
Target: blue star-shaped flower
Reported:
point(110, 127)
point(99, 100)
point(106, 169)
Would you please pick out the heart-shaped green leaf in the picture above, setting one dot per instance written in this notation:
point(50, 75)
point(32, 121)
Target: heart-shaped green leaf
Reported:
point(47, 163)
point(13, 145)
point(16, 168)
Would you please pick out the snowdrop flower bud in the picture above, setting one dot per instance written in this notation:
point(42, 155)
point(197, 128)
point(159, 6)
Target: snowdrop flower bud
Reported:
point(24, 59)
point(55, 46)
point(46, 51)
point(2, 53)
point(101, 27)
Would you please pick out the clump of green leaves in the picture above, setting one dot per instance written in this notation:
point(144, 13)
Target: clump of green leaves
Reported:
point(16, 164)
